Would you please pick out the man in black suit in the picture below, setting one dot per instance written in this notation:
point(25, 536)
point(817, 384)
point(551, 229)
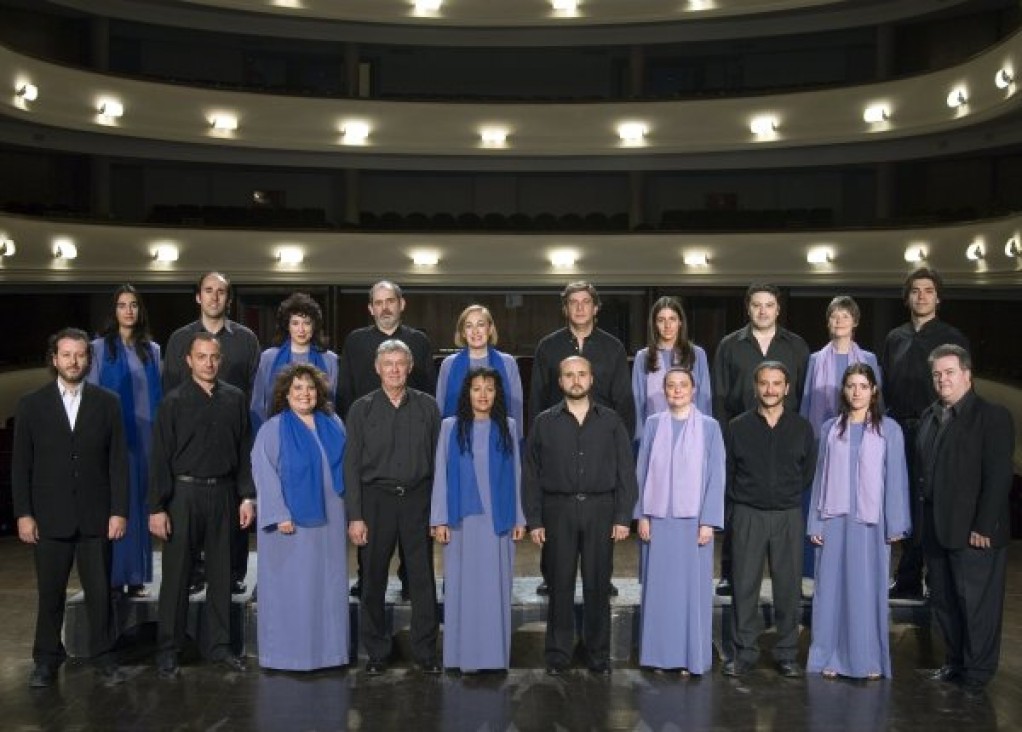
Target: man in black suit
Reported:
point(70, 485)
point(964, 469)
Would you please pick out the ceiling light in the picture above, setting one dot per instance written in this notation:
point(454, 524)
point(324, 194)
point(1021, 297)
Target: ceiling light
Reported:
point(1004, 77)
point(7, 248)
point(493, 136)
point(820, 255)
point(354, 132)
point(165, 253)
point(64, 249)
point(875, 113)
point(290, 256)
point(632, 133)
point(425, 258)
point(915, 253)
point(110, 108)
point(763, 125)
point(696, 259)
point(1012, 247)
point(224, 122)
point(563, 259)
point(564, 6)
point(975, 251)
point(957, 97)
point(28, 92)
point(427, 6)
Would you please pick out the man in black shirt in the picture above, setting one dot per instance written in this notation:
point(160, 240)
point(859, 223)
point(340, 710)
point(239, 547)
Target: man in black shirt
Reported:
point(388, 474)
point(738, 356)
point(579, 491)
point(908, 391)
point(771, 456)
point(199, 471)
point(239, 350)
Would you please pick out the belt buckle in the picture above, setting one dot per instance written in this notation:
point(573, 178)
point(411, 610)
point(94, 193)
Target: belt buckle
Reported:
point(400, 491)
point(581, 496)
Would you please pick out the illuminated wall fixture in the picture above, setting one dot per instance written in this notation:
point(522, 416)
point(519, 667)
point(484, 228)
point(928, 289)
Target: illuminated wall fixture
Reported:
point(7, 248)
point(696, 259)
point(27, 92)
point(1012, 247)
point(957, 97)
point(875, 113)
point(64, 249)
point(915, 253)
point(563, 259)
point(165, 253)
point(1004, 77)
point(354, 132)
point(820, 255)
point(427, 6)
point(290, 256)
point(425, 258)
point(975, 251)
point(763, 125)
point(296, 4)
point(493, 136)
point(223, 122)
point(564, 6)
point(632, 133)
point(110, 108)
point(700, 4)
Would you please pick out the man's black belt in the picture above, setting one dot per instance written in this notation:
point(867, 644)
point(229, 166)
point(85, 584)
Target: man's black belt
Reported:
point(204, 482)
point(580, 496)
point(397, 490)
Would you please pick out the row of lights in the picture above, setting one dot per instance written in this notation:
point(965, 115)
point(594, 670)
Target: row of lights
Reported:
point(432, 7)
point(64, 248)
point(631, 133)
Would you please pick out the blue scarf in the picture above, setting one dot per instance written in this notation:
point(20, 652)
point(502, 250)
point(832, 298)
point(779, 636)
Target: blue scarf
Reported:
point(283, 358)
point(463, 489)
point(301, 465)
point(116, 376)
point(459, 370)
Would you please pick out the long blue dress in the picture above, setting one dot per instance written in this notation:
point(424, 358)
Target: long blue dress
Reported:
point(262, 386)
point(512, 391)
point(478, 564)
point(676, 625)
point(650, 401)
point(132, 555)
point(850, 607)
point(303, 577)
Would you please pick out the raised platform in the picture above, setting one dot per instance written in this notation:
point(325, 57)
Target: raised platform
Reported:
point(527, 609)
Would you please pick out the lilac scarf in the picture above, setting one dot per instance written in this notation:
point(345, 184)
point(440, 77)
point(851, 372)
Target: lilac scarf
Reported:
point(674, 479)
point(655, 400)
point(834, 499)
point(823, 400)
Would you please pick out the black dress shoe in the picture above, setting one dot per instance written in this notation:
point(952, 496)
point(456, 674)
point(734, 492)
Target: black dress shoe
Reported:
point(736, 667)
point(600, 668)
point(790, 669)
point(375, 667)
point(42, 676)
point(430, 668)
point(555, 669)
point(111, 674)
point(945, 673)
point(724, 588)
point(902, 590)
point(232, 663)
point(238, 587)
point(613, 590)
point(356, 589)
point(406, 594)
point(542, 589)
point(167, 668)
point(196, 587)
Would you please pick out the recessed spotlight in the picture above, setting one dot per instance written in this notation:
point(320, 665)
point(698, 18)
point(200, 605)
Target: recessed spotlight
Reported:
point(7, 248)
point(1013, 247)
point(915, 253)
point(290, 256)
point(427, 6)
point(165, 253)
point(64, 249)
point(563, 259)
point(564, 6)
point(493, 136)
point(354, 132)
point(820, 255)
point(223, 122)
point(425, 258)
point(875, 113)
point(110, 108)
point(632, 133)
point(957, 97)
point(975, 251)
point(26, 91)
point(1004, 77)
point(696, 259)
point(763, 125)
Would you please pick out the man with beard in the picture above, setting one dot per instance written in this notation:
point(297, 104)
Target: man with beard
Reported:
point(771, 456)
point(579, 492)
point(70, 483)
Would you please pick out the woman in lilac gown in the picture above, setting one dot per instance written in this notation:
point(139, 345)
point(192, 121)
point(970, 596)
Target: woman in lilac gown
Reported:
point(668, 345)
point(126, 361)
point(859, 507)
point(300, 340)
point(476, 336)
point(476, 515)
point(681, 502)
point(302, 541)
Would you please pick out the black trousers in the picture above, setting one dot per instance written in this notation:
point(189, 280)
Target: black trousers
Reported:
point(967, 596)
point(578, 526)
point(200, 516)
point(775, 536)
point(910, 565)
point(53, 561)
point(394, 520)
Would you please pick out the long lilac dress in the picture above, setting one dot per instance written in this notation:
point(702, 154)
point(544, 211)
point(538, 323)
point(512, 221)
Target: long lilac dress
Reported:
point(512, 391)
point(648, 389)
point(131, 560)
point(303, 577)
point(478, 564)
point(676, 625)
point(262, 386)
point(850, 608)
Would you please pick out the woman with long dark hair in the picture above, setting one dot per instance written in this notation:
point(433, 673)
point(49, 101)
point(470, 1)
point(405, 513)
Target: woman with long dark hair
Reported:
point(127, 361)
point(477, 515)
point(859, 507)
point(668, 345)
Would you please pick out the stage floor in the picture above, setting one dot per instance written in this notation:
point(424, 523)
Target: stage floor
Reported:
point(523, 699)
